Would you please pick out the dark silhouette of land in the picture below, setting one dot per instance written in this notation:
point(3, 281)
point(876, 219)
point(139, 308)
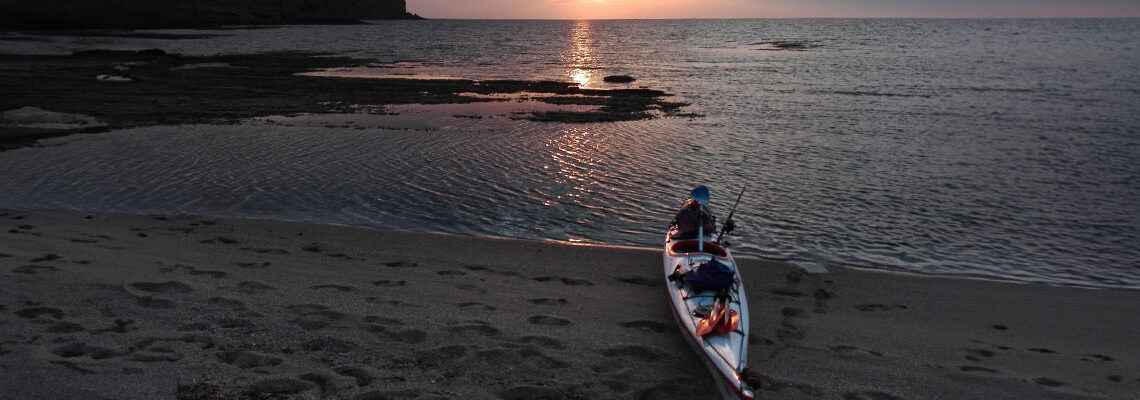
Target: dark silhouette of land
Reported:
point(124, 89)
point(129, 14)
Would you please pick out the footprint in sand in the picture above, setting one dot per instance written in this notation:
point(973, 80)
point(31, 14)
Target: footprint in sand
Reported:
point(456, 273)
point(851, 350)
point(531, 392)
point(975, 353)
point(34, 312)
point(787, 292)
point(220, 239)
point(547, 320)
point(474, 329)
point(277, 388)
point(616, 386)
point(248, 359)
point(199, 272)
point(82, 349)
point(411, 336)
point(471, 288)
point(640, 281)
point(233, 323)
point(386, 321)
point(438, 356)
point(565, 281)
point(652, 326)
point(548, 302)
point(870, 395)
point(253, 286)
point(973, 368)
point(314, 316)
point(541, 341)
point(1043, 381)
point(525, 358)
point(153, 303)
point(72, 366)
point(363, 376)
point(153, 357)
point(879, 307)
point(476, 305)
point(339, 288)
point(204, 340)
point(328, 383)
point(162, 287)
point(791, 312)
point(65, 327)
point(640, 353)
point(265, 251)
point(254, 265)
point(789, 332)
point(46, 257)
point(195, 326)
point(400, 264)
point(821, 296)
point(34, 269)
point(386, 302)
point(1101, 357)
point(120, 326)
point(389, 283)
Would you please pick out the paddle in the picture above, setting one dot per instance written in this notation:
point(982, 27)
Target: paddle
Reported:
point(728, 224)
point(707, 324)
point(700, 194)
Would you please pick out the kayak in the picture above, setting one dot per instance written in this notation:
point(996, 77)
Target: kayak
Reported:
point(721, 343)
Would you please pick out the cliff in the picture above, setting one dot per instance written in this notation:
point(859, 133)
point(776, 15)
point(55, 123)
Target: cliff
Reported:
point(135, 14)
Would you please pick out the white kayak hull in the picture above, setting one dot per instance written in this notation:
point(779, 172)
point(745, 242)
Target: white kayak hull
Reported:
point(724, 354)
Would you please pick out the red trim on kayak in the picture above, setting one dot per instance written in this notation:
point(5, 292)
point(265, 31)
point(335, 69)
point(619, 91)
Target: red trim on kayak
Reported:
point(695, 341)
point(691, 246)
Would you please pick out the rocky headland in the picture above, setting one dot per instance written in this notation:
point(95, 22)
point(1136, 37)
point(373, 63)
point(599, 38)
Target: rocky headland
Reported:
point(126, 14)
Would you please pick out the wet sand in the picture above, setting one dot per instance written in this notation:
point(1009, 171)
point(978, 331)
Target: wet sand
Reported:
point(112, 306)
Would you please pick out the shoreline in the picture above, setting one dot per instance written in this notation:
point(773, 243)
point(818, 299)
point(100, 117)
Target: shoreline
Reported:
point(131, 306)
point(805, 265)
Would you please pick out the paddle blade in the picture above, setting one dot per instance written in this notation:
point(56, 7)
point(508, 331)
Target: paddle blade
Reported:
point(701, 195)
point(729, 324)
point(707, 324)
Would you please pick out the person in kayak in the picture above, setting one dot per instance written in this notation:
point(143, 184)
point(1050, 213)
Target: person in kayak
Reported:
point(691, 217)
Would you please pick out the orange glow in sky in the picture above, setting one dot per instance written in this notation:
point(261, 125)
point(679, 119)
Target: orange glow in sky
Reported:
point(633, 9)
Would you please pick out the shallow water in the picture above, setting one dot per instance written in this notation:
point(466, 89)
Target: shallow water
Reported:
point(998, 148)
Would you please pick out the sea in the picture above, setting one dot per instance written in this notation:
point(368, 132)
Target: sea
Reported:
point(1002, 149)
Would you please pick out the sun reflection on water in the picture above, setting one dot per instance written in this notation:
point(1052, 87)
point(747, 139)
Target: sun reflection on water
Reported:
point(580, 59)
point(577, 154)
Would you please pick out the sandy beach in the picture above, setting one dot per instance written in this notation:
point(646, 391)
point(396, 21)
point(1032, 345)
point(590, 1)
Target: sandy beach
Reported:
point(139, 307)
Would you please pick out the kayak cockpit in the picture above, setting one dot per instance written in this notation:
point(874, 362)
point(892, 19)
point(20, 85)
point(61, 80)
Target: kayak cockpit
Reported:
point(692, 246)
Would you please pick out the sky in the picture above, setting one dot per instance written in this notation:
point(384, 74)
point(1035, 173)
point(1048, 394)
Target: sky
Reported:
point(598, 9)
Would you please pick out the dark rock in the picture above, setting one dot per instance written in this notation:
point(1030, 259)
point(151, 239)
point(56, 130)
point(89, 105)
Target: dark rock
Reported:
point(619, 79)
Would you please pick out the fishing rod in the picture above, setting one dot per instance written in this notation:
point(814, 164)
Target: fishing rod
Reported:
point(728, 224)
